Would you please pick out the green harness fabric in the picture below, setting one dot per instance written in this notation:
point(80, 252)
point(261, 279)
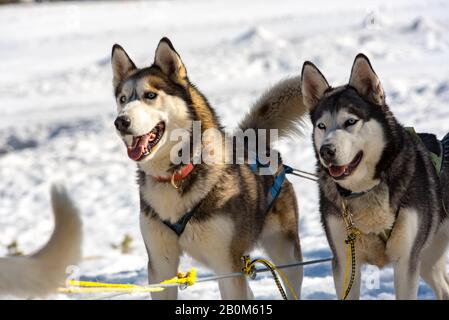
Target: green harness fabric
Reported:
point(437, 160)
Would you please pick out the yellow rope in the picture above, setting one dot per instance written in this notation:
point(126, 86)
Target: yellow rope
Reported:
point(348, 262)
point(352, 233)
point(249, 270)
point(188, 278)
point(182, 278)
point(101, 284)
point(109, 290)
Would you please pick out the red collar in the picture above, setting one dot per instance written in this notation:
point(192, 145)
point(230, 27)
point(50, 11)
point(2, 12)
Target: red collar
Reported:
point(177, 176)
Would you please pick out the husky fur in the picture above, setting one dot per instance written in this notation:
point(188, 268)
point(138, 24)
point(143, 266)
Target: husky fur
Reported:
point(398, 186)
point(40, 274)
point(230, 217)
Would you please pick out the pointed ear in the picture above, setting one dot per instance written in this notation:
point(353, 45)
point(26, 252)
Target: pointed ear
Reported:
point(313, 85)
point(122, 65)
point(365, 81)
point(169, 61)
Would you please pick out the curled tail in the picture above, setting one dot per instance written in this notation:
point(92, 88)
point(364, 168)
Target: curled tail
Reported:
point(281, 107)
point(41, 273)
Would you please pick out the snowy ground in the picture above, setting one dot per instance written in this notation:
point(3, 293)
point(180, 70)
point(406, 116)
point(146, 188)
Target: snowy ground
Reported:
point(57, 105)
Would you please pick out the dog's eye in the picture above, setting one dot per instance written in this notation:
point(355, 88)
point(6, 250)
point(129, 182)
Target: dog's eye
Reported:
point(122, 99)
point(350, 122)
point(149, 95)
point(321, 126)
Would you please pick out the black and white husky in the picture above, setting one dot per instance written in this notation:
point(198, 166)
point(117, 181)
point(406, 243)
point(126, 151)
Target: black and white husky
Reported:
point(385, 174)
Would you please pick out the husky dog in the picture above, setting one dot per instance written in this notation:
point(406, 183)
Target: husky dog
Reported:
point(229, 215)
point(40, 274)
point(386, 178)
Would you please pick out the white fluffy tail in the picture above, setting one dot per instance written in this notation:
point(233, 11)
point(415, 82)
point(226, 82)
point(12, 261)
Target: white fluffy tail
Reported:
point(41, 273)
point(280, 107)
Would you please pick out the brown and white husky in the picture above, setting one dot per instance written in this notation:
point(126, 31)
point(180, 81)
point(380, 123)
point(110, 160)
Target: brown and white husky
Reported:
point(214, 212)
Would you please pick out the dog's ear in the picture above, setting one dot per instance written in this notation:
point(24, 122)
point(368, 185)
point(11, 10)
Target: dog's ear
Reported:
point(313, 85)
point(365, 81)
point(169, 61)
point(121, 63)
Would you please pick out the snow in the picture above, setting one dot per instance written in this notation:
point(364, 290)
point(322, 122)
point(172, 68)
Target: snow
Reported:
point(58, 109)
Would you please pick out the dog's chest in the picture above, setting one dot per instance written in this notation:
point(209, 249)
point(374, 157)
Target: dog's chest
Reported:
point(372, 213)
point(166, 200)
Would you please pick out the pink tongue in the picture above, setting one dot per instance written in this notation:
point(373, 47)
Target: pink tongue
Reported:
point(337, 171)
point(136, 151)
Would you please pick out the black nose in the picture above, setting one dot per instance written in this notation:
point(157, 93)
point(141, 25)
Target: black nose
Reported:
point(122, 123)
point(327, 152)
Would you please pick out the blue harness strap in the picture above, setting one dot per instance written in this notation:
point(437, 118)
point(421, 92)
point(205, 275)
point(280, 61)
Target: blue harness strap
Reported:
point(179, 226)
point(275, 189)
point(279, 179)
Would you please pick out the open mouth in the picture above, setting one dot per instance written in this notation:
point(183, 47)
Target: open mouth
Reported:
point(142, 146)
point(341, 172)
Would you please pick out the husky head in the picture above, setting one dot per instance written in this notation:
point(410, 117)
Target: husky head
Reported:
point(349, 124)
point(154, 101)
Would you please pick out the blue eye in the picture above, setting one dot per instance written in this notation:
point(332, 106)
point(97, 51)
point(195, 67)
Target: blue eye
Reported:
point(351, 122)
point(150, 95)
point(321, 126)
point(122, 99)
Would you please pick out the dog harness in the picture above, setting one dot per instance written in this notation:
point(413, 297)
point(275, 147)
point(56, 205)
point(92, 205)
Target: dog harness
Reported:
point(279, 179)
point(438, 152)
point(348, 194)
point(435, 157)
point(179, 226)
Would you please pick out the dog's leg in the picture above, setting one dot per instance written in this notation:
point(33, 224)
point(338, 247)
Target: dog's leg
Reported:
point(433, 263)
point(435, 276)
point(406, 279)
point(163, 255)
point(283, 249)
point(339, 273)
point(216, 245)
point(280, 238)
point(236, 288)
point(337, 236)
point(403, 252)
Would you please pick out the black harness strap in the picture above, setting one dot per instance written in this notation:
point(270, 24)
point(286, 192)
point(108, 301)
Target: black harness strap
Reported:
point(179, 226)
point(348, 194)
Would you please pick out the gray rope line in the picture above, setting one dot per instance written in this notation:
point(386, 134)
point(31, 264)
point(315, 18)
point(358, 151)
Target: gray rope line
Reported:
point(285, 266)
point(308, 176)
point(262, 270)
point(225, 276)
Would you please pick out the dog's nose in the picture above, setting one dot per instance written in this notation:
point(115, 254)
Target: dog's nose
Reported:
point(122, 123)
point(327, 152)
